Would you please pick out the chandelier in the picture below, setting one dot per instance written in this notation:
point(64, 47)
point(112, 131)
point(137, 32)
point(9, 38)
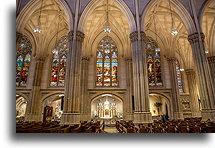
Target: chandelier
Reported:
point(174, 31)
point(38, 29)
point(107, 28)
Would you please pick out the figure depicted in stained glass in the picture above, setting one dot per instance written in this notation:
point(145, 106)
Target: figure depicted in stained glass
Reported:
point(58, 70)
point(107, 63)
point(153, 63)
point(23, 59)
point(179, 77)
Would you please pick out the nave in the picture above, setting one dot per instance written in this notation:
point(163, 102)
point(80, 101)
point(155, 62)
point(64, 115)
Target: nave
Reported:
point(189, 125)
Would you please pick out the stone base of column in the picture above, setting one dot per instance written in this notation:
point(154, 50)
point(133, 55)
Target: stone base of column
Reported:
point(142, 117)
point(70, 118)
point(129, 116)
point(208, 114)
point(33, 117)
point(196, 114)
point(178, 116)
point(85, 117)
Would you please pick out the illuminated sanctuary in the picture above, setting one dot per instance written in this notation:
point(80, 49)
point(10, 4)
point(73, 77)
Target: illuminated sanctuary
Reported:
point(112, 60)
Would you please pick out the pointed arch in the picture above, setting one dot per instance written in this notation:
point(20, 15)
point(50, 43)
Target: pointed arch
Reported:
point(180, 10)
point(120, 3)
point(107, 63)
point(32, 5)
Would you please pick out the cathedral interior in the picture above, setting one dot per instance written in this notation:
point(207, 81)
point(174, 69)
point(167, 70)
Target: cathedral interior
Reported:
point(114, 60)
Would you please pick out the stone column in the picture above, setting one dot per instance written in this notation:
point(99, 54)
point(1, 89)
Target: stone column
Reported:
point(71, 112)
point(129, 82)
point(85, 115)
point(140, 79)
point(211, 62)
point(177, 111)
point(205, 83)
point(193, 88)
point(33, 111)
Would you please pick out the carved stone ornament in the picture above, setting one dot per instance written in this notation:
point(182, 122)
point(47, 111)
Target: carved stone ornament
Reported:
point(85, 58)
point(211, 59)
point(134, 36)
point(171, 59)
point(189, 71)
point(70, 35)
point(80, 36)
point(192, 38)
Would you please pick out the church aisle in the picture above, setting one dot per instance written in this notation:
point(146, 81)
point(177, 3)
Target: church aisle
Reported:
point(110, 129)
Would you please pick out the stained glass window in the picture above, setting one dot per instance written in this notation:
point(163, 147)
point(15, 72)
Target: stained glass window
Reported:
point(153, 63)
point(179, 77)
point(107, 63)
point(58, 67)
point(23, 59)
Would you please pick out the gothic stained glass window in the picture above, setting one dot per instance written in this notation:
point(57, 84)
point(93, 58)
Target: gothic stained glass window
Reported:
point(153, 63)
point(107, 63)
point(23, 59)
point(58, 67)
point(179, 77)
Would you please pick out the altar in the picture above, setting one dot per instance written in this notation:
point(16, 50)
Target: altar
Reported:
point(106, 108)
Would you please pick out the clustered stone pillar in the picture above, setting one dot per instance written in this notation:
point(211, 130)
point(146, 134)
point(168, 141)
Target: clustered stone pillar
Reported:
point(205, 83)
point(129, 105)
point(71, 112)
point(193, 90)
point(211, 62)
point(177, 113)
point(33, 113)
point(140, 79)
point(85, 115)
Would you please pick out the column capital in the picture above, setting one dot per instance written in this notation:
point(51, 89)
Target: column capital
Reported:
point(171, 59)
point(79, 36)
point(85, 58)
point(39, 58)
point(128, 59)
point(194, 37)
point(134, 36)
point(211, 59)
point(142, 36)
point(71, 35)
point(189, 71)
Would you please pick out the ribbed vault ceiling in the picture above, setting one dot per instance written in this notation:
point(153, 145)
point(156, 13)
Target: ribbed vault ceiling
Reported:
point(171, 46)
point(49, 21)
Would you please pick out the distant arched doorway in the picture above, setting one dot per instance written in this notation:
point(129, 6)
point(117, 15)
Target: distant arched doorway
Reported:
point(21, 104)
point(53, 108)
point(106, 106)
point(159, 105)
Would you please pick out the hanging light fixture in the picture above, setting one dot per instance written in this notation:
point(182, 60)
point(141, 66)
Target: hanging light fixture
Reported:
point(157, 49)
point(174, 31)
point(38, 29)
point(107, 28)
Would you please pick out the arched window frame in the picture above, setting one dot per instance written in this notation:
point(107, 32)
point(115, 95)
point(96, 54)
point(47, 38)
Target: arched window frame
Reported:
point(107, 51)
point(179, 77)
point(59, 53)
point(153, 57)
point(23, 51)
